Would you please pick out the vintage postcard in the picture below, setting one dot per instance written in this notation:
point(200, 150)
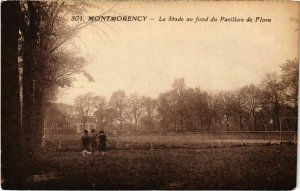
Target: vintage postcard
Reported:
point(155, 95)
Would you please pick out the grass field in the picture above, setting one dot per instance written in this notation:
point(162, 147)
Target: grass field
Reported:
point(234, 167)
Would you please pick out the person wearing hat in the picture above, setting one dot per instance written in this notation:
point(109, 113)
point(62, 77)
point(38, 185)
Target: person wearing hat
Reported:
point(102, 142)
point(85, 142)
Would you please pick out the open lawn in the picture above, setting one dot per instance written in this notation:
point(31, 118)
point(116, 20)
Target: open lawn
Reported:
point(235, 167)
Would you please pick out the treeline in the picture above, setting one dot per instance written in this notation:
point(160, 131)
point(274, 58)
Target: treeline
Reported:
point(184, 109)
point(250, 108)
point(35, 63)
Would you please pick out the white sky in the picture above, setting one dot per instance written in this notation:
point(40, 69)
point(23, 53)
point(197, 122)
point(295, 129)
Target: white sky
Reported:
point(145, 57)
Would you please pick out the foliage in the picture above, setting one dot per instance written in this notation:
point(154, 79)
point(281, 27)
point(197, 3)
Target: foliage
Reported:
point(85, 106)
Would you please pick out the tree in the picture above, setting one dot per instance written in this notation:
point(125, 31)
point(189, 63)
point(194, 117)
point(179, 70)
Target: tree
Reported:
point(215, 109)
point(191, 115)
point(201, 108)
point(238, 108)
point(29, 29)
point(85, 105)
point(118, 102)
point(11, 134)
point(289, 78)
point(272, 92)
point(165, 110)
point(227, 107)
point(135, 108)
point(149, 105)
point(180, 108)
point(250, 99)
point(46, 63)
point(103, 112)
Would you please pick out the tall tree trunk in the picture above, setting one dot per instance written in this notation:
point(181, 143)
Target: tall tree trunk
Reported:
point(209, 122)
point(255, 123)
point(201, 124)
point(29, 57)
point(227, 122)
point(121, 124)
point(27, 102)
point(274, 119)
point(241, 125)
point(135, 123)
point(181, 124)
point(277, 110)
point(254, 120)
point(149, 121)
point(11, 138)
point(38, 115)
point(102, 125)
point(84, 124)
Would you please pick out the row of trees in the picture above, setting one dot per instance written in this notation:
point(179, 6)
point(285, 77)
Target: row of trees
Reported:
point(119, 109)
point(36, 61)
point(248, 108)
point(192, 109)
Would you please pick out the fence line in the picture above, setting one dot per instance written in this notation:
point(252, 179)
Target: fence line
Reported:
point(207, 139)
point(172, 133)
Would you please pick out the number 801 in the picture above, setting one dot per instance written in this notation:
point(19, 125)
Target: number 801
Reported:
point(76, 18)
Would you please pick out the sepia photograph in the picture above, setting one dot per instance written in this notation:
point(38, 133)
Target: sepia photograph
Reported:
point(149, 95)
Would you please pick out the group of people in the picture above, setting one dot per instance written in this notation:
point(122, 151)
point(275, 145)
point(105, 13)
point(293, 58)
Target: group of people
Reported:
point(90, 145)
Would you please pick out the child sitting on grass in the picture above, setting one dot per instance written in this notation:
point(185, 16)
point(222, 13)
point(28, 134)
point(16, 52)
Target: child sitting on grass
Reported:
point(85, 142)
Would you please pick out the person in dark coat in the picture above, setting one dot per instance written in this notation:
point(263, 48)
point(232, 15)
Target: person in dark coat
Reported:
point(102, 142)
point(85, 142)
point(93, 138)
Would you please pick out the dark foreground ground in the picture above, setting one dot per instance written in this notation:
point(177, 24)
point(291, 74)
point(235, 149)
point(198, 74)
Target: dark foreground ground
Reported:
point(244, 167)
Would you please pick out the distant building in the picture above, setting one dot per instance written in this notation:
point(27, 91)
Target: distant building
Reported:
point(78, 125)
point(62, 119)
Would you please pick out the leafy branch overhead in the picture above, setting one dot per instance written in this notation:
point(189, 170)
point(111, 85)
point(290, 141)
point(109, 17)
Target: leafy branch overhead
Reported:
point(54, 62)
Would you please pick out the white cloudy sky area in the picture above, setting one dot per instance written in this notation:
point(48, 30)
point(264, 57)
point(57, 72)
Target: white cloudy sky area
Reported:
point(145, 57)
